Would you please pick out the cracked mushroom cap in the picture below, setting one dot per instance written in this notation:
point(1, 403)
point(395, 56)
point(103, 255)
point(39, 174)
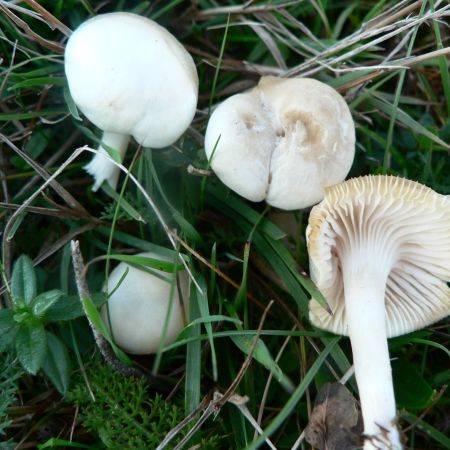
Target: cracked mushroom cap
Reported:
point(409, 222)
point(283, 141)
point(129, 75)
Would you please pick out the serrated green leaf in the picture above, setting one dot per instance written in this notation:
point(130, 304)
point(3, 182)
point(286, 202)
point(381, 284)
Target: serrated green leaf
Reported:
point(8, 328)
point(31, 346)
point(262, 354)
point(69, 307)
point(56, 364)
point(23, 280)
point(43, 301)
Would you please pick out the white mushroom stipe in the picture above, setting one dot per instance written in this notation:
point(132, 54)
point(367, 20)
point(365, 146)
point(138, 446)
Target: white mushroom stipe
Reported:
point(379, 252)
point(100, 167)
point(138, 309)
point(283, 141)
point(129, 76)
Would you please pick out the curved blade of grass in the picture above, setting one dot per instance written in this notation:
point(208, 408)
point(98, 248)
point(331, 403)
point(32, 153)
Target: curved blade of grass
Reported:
point(407, 120)
point(435, 434)
point(94, 316)
point(165, 266)
point(141, 244)
point(431, 344)
point(262, 354)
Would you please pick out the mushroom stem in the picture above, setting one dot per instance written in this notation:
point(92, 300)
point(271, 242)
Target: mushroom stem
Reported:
point(367, 331)
point(101, 168)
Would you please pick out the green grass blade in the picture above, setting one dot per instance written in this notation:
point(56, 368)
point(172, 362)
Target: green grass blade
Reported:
point(192, 390)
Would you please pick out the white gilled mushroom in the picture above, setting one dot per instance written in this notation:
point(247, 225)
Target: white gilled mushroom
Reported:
point(283, 141)
point(130, 77)
point(136, 311)
point(379, 249)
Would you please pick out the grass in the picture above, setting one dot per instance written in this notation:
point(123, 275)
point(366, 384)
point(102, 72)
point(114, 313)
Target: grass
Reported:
point(390, 61)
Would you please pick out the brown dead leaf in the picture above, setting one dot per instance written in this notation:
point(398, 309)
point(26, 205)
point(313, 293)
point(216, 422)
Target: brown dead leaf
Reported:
point(335, 423)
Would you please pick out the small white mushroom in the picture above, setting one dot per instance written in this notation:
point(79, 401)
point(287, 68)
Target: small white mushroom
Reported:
point(130, 77)
point(379, 251)
point(139, 307)
point(284, 141)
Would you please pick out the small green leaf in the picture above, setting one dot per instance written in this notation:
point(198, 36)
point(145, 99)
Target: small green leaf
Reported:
point(31, 346)
point(8, 328)
point(23, 280)
point(56, 364)
point(262, 355)
point(69, 307)
point(411, 389)
point(43, 301)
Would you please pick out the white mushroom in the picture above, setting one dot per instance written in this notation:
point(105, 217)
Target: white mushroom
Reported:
point(379, 250)
point(283, 141)
point(139, 307)
point(130, 76)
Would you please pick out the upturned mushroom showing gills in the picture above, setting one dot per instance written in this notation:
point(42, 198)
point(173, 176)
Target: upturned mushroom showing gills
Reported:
point(379, 249)
point(284, 141)
point(138, 308)
point(130, 77)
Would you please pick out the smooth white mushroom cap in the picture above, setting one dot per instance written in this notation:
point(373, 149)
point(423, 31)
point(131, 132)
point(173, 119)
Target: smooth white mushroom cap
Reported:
point(284, 141)
point(139, 306)
point(129, 75)
point(406, 222)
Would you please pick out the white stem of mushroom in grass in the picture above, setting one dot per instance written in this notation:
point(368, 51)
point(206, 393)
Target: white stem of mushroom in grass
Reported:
point(131, 78)
point(379, 251)
point(365, 274)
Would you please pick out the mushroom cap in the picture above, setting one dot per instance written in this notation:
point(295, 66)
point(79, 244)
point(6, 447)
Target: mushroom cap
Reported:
point(408, 222)
point(283, 141)
point(129, 75)
point(138, 307)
